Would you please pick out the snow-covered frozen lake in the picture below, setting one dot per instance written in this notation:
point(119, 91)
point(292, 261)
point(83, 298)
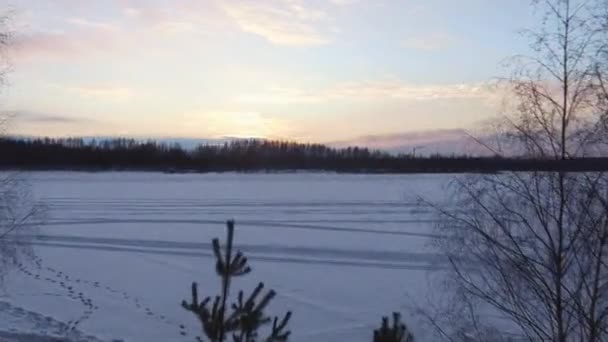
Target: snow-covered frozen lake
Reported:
point(120, 250)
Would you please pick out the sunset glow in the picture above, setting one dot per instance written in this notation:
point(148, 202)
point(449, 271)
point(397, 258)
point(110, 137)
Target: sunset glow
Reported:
point(323, 70)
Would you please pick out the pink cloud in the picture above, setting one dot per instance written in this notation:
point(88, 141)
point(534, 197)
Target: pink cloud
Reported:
point(77, 29)
point(291, 23)
point(45, 44)
point(443, 141)
point(58, 44)
point(173, 17)
point(76, 34)
point(74, 37)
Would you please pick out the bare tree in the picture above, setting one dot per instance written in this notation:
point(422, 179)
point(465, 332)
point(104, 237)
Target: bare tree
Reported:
point(17, 205)
point(6, 37)
point(528, 251)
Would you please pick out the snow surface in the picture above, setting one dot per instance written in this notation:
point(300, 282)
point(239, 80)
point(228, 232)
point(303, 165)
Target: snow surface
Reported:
point(118, 251)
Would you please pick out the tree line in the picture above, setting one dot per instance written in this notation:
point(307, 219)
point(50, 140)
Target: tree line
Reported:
point(255, 155)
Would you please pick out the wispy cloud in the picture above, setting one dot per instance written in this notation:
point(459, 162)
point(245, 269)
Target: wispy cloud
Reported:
point(75, 36)
point(44, 44)
point(343, 2)
point(131, 12)
point(282, 22)
point(396, 89)
point(178, 18)
point(95, 25)
point(425, 142)
point(430, 41)
point(282, 95)
point(107, 92)
point(43, 123)
point(415, 138)
point(392, 89)
point(41, 118)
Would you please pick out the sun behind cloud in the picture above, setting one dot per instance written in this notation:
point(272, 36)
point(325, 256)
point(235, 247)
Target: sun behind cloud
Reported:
point(232, 124)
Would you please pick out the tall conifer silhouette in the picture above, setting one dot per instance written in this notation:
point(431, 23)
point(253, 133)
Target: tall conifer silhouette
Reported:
point(395, 332)
point(242, 320)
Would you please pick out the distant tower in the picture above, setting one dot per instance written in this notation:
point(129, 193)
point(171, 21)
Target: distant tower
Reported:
point(415, 149)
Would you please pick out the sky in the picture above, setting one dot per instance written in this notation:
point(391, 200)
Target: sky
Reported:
point(306, 70)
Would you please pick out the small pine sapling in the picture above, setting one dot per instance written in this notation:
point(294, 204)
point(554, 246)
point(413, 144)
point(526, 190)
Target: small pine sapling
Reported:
point(244, 318)
point(397, 332)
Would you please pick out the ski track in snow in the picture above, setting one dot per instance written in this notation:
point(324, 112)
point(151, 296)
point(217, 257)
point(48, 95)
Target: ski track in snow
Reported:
point(267, 253)
point(391, 232)
point(46, 328)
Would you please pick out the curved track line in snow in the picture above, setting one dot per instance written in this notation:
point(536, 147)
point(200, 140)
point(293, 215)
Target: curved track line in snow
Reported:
point(376, 255)
point(289, 260)
point(243, 224)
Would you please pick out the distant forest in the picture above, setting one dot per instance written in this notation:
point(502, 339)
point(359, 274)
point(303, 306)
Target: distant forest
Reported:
point(253, 155)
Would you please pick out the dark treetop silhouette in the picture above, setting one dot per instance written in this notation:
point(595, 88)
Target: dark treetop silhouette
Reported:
point(244, 318)
point(254, 155)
